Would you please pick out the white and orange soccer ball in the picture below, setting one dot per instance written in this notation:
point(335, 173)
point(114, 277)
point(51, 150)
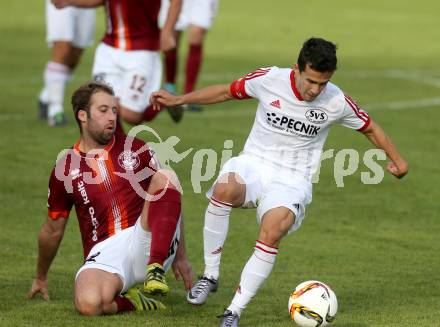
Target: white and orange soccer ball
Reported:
point(313, 304)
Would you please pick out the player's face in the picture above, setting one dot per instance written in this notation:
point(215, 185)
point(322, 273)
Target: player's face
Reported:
point(102, 121)
point(310, 83)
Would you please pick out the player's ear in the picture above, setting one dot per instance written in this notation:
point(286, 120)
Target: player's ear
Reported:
point(82, 116)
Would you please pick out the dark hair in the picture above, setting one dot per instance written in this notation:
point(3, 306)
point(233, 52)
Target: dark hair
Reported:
point(319, 54)
point(81, 97)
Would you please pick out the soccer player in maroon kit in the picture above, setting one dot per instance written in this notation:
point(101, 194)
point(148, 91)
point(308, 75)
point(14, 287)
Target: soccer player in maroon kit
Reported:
point(128, 209)
point(128, 57)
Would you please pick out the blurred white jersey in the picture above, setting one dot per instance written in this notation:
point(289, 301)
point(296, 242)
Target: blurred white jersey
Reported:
point(194, 12)
point(288, 132)
point(71, 24)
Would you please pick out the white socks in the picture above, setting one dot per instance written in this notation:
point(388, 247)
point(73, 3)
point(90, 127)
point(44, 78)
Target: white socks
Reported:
point(44, 95)
point(56, 77)
point(255, 272)
point(214, 235)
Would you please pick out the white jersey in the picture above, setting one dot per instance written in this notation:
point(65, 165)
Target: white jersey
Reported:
point(134, 75)
point(288, 132)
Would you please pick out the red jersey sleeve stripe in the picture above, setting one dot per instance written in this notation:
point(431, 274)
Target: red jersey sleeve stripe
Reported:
point(355, 107)
point(367, 123)
point(55, 214)
point(257, 73)
point(361, 114)
point(237, 89)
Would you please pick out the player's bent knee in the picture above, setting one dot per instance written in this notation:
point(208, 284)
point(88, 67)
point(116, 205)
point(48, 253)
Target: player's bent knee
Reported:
point(89, 309)
point(270, 237)
point(88, 305)
point(196, 35)
point(230, 193)
point(275, 225)
point(74, 57)
point(61, 52)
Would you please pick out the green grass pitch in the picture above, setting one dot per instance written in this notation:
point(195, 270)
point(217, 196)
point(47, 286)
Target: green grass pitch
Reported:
point(376, 245)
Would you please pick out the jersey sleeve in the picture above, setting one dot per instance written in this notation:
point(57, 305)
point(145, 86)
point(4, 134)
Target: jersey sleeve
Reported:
point(353, 116)
point(59, 203)
point(249, 86)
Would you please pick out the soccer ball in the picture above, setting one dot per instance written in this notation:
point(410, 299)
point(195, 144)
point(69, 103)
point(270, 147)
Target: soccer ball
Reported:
point(313, 304)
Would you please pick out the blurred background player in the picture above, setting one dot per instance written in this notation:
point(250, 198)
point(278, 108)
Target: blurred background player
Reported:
point(128, 57)
point(196, 17)
point(68, 32)
point(128, 210)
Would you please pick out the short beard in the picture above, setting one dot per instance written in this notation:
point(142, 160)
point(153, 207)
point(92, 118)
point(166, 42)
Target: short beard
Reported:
point(102, 138)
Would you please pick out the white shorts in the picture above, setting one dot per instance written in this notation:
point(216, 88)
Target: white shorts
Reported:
point(199, 13)
point(134, 75)
point(267, 188)
point(75, 25)
point(126, 254)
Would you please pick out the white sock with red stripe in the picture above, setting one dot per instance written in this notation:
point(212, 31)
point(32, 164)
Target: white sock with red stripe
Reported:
point(56, 76)
point(255, 272)
point(214, 235)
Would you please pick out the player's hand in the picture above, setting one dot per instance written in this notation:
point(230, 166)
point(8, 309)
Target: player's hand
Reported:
point(163, 98)
point(183, 270)
point(39, 286)
point(167, 40)
point(60, 4)
point(398, 170)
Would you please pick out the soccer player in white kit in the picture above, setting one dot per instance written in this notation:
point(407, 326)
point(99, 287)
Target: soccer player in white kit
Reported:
point(69, 31)
point(295, 111)
point(196, 17)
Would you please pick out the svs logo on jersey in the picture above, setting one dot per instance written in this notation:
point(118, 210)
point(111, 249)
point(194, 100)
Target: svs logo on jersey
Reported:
point(316, 116)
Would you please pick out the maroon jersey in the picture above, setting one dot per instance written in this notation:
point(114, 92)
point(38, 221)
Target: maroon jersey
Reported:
point(132, 24)
point(108, 190)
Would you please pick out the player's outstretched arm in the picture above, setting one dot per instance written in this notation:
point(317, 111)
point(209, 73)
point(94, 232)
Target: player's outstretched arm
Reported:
point(207, 95)
point(181, 266)
point(398, 165)
point(49, 239)
point(77, 3)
